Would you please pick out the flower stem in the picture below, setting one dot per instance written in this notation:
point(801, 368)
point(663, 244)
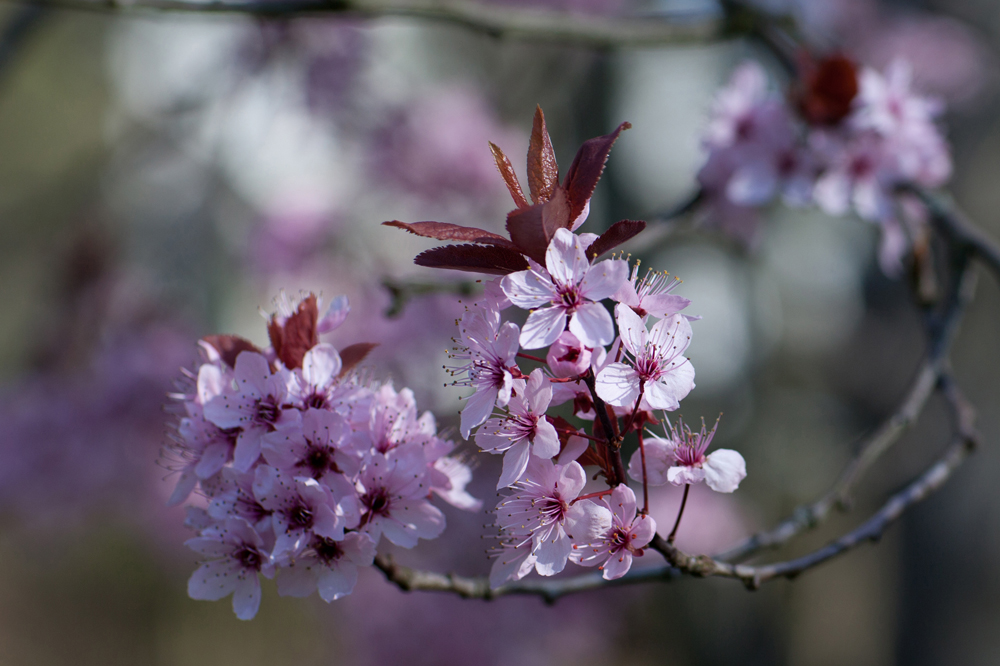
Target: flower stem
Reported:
point(599, 493)
point(530, 357)
point(684, 501)
point(613, 443)
point(645, 486)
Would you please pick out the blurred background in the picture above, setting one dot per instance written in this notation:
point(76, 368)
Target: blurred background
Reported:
point(162, 177)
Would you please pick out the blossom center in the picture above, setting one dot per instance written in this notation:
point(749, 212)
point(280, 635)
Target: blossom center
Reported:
point(249, 558)
point(327, 550)
point(266, 411)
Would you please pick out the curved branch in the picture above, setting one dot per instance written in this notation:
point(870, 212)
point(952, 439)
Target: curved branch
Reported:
point(410, 580)
point(929, 376)
point(556, 27)
point(956, 227)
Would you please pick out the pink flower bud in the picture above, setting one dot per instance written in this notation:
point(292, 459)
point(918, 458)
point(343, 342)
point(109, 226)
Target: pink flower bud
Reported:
point(567, 356)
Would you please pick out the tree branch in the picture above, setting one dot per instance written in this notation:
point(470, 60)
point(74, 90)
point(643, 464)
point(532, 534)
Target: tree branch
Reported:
point(809, 516)
point(549, 589)
point(556, 27)
point(953, 225)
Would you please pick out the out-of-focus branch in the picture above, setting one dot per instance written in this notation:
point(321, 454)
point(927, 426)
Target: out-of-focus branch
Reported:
point(953, 225)
point(557, 27)
point(21, 25)
point(928, 377)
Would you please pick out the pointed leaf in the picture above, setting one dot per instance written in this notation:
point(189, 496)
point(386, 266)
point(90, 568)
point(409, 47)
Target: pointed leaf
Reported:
point(583, 174)
point(473, 258)
point(352, 355)
point(509, 177)
point(297, 335)
point(445, 231)
point(230, 346)
point(543, 171)
point(620, 231)
point(533, 228)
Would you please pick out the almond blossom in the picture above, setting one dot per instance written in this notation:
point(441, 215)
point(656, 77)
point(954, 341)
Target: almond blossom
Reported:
point(524, 431)
point(658, 370)
point(612, 534)
point(569, 285)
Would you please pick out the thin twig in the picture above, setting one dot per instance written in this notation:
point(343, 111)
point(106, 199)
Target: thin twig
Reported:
point(810, 515)
point(954, 226)
point(409, 580)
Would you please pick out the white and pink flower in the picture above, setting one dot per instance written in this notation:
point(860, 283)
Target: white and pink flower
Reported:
point(566, 289)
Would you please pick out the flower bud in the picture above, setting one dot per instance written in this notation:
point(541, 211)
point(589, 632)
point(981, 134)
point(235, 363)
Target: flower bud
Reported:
point(567, 356)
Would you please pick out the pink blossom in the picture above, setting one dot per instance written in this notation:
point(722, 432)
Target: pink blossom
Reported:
point(658, 369)
point(860, 174)
point(327, 565)
point(524, 431)
point(680, 459)
point(253, 404)
point(231, 494)
point(538, 512)
point(489, 349)
point(322, 444)
point(450, 476)
point(571, 285)
point(567, 356)
point(651, 295)
point(240, 556)
point(302, 507)
point(394, 493)
point(612, 534)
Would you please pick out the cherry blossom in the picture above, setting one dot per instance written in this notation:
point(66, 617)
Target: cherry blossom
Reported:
point(650, 294)
point(254, 403)
point(680, 459)
point(240, 556)
point(658, 370)
point(567, 356)
point(570, 285)
point(539, 510)
point(322, 444)
point(489, 349)
point(393, 494)
point(327, 565)
point(524, 431)
point(612, 534)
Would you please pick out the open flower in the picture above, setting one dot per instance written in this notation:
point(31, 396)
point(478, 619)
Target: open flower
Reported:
point(239, 556)
point(612, 534)
point(570, 286)
point(680, 459)
point(658, 369)
point(489, 349)
point(524, 431)
point(328, 566)
point(538, 511)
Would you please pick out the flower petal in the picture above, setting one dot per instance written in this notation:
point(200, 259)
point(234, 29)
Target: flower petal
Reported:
point(592, 325)
point(618, 385)
point(604, 279)
point(724, 469)
point(543, 327)
point(515, 461)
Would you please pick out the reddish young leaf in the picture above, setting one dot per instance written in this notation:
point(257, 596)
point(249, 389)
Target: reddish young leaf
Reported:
point(230, 346)
point(473, 258)
point(586, 170)
point(532, 228)
point(828, 88)
point(297, 335)
point(509, 177)
point(352, 355)
point(543, 171)
point(619, 232)
point(445, 231)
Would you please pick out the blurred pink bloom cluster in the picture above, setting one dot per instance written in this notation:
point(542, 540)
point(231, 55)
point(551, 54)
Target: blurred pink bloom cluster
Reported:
point(303, 465)
point(853, 138)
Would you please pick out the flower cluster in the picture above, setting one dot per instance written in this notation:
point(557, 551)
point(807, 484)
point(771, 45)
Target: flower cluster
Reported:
point(302, 466)
point(854, 137)
point(613, 371)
